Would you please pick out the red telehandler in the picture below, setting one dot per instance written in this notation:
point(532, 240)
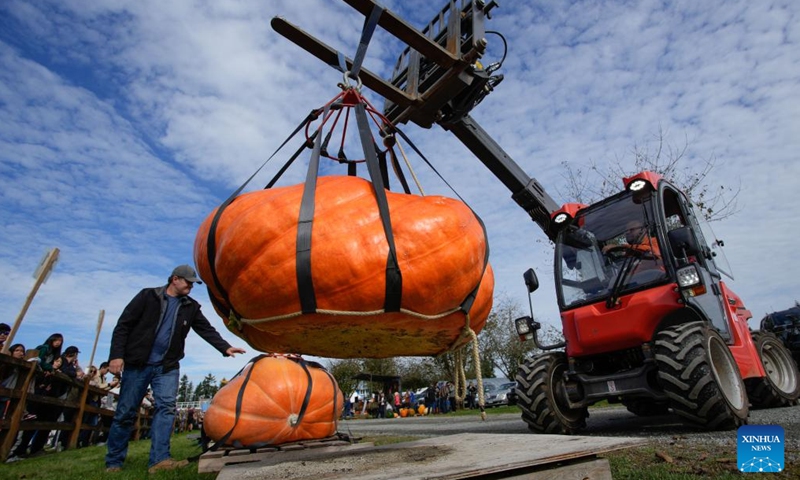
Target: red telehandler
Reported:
point(646, 317)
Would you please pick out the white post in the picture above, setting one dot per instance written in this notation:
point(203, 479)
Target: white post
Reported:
point(41, 276)
point(97, 336)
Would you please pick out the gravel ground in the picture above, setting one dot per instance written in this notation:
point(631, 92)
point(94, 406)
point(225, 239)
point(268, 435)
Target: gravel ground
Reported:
point(611, 422)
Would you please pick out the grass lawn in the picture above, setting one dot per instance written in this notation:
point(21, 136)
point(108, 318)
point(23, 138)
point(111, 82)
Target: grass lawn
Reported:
point(676, 462)
point(89, 463)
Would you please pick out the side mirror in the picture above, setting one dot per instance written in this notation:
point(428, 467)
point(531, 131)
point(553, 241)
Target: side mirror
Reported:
point(682, 242)
point(530, 280)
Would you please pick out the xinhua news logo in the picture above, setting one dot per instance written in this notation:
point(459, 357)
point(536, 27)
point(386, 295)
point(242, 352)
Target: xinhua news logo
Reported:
point(760, 448)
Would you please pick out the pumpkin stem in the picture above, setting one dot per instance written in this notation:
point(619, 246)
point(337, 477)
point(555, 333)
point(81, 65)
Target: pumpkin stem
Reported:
point(293, 419)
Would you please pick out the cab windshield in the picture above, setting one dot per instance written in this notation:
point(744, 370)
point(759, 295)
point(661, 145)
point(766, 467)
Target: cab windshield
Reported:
point(608, 250)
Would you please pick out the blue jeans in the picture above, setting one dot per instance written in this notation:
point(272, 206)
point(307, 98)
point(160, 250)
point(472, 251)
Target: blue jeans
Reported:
point(133, 388)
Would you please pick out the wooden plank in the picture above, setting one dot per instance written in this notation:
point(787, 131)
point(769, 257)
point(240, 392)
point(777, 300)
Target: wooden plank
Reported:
point(9, 435)
point(466, 455)
point(77, 417)
point(211, 462)
point(598, 469)
point(8, 393)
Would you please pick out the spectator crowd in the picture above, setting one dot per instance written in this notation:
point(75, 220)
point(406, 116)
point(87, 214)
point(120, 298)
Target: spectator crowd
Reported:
point(438, 398)
point(54, 362)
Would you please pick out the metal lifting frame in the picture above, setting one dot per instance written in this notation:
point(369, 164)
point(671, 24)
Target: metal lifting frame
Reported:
point(437, 80)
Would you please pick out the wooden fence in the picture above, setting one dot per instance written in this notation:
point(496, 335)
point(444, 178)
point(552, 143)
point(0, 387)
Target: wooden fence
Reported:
point(19, 397)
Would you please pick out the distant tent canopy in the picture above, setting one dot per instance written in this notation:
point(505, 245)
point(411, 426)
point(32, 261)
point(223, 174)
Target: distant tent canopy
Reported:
point(389, 382)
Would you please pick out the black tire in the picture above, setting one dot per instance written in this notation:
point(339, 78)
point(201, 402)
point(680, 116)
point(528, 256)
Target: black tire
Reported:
point(643, 407)
point(781, 387)
point(542, 397)
point(698, 373)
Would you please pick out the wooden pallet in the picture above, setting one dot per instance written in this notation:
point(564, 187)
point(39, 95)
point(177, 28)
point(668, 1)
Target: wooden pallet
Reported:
point(461, 456)
point(214, 461)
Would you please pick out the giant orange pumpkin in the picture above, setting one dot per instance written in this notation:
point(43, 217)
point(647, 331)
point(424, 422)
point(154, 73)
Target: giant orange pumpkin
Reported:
point(273, 409)
point(441, 251)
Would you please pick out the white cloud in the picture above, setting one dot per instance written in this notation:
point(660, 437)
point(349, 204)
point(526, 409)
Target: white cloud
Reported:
point(125, 123)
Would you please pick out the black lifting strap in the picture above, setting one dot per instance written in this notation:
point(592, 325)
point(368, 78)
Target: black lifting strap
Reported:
point(384, 168)
point(305, 223)
point(398, 171)
point(291, 160)
point(370, 23)
point(323, 150)
point(335, 388)
point(211, 243)
point(239, 398)
point(367, 30)
point(394, 279)
point(466, 305)
point(307, 398)
point(366, 35)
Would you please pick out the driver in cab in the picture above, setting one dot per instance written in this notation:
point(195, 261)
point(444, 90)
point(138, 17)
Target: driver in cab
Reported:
point(639, 243)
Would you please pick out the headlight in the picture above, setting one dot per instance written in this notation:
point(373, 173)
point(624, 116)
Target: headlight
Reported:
point(637, 185)
point(688, 276)
point(522, 325)
point(690, 283)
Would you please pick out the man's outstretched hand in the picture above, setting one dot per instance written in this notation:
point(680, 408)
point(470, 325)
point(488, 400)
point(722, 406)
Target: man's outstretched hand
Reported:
point(231, 352)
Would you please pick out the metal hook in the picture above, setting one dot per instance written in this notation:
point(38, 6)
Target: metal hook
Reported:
point(346, 82)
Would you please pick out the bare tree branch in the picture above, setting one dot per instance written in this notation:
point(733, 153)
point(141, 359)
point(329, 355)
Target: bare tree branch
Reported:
point(690, 174)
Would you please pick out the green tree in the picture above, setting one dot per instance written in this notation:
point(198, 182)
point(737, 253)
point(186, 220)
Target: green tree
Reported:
point(444, 366)
point(207, 388)
point(500, 342)
point(417, 372)
point(185, 389)
point(380, 366)
point(344, 371)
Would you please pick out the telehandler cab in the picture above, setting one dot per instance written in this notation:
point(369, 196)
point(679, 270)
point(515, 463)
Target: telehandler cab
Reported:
point(647, 320)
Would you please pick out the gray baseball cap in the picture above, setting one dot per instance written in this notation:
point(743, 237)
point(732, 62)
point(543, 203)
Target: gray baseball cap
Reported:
point(187, 272)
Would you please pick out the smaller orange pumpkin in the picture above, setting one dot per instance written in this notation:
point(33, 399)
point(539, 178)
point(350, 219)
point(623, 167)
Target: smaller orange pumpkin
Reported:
point(275, 399)
point(422, 410)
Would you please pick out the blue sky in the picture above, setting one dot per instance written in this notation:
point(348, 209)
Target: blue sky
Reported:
point(123, 124)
